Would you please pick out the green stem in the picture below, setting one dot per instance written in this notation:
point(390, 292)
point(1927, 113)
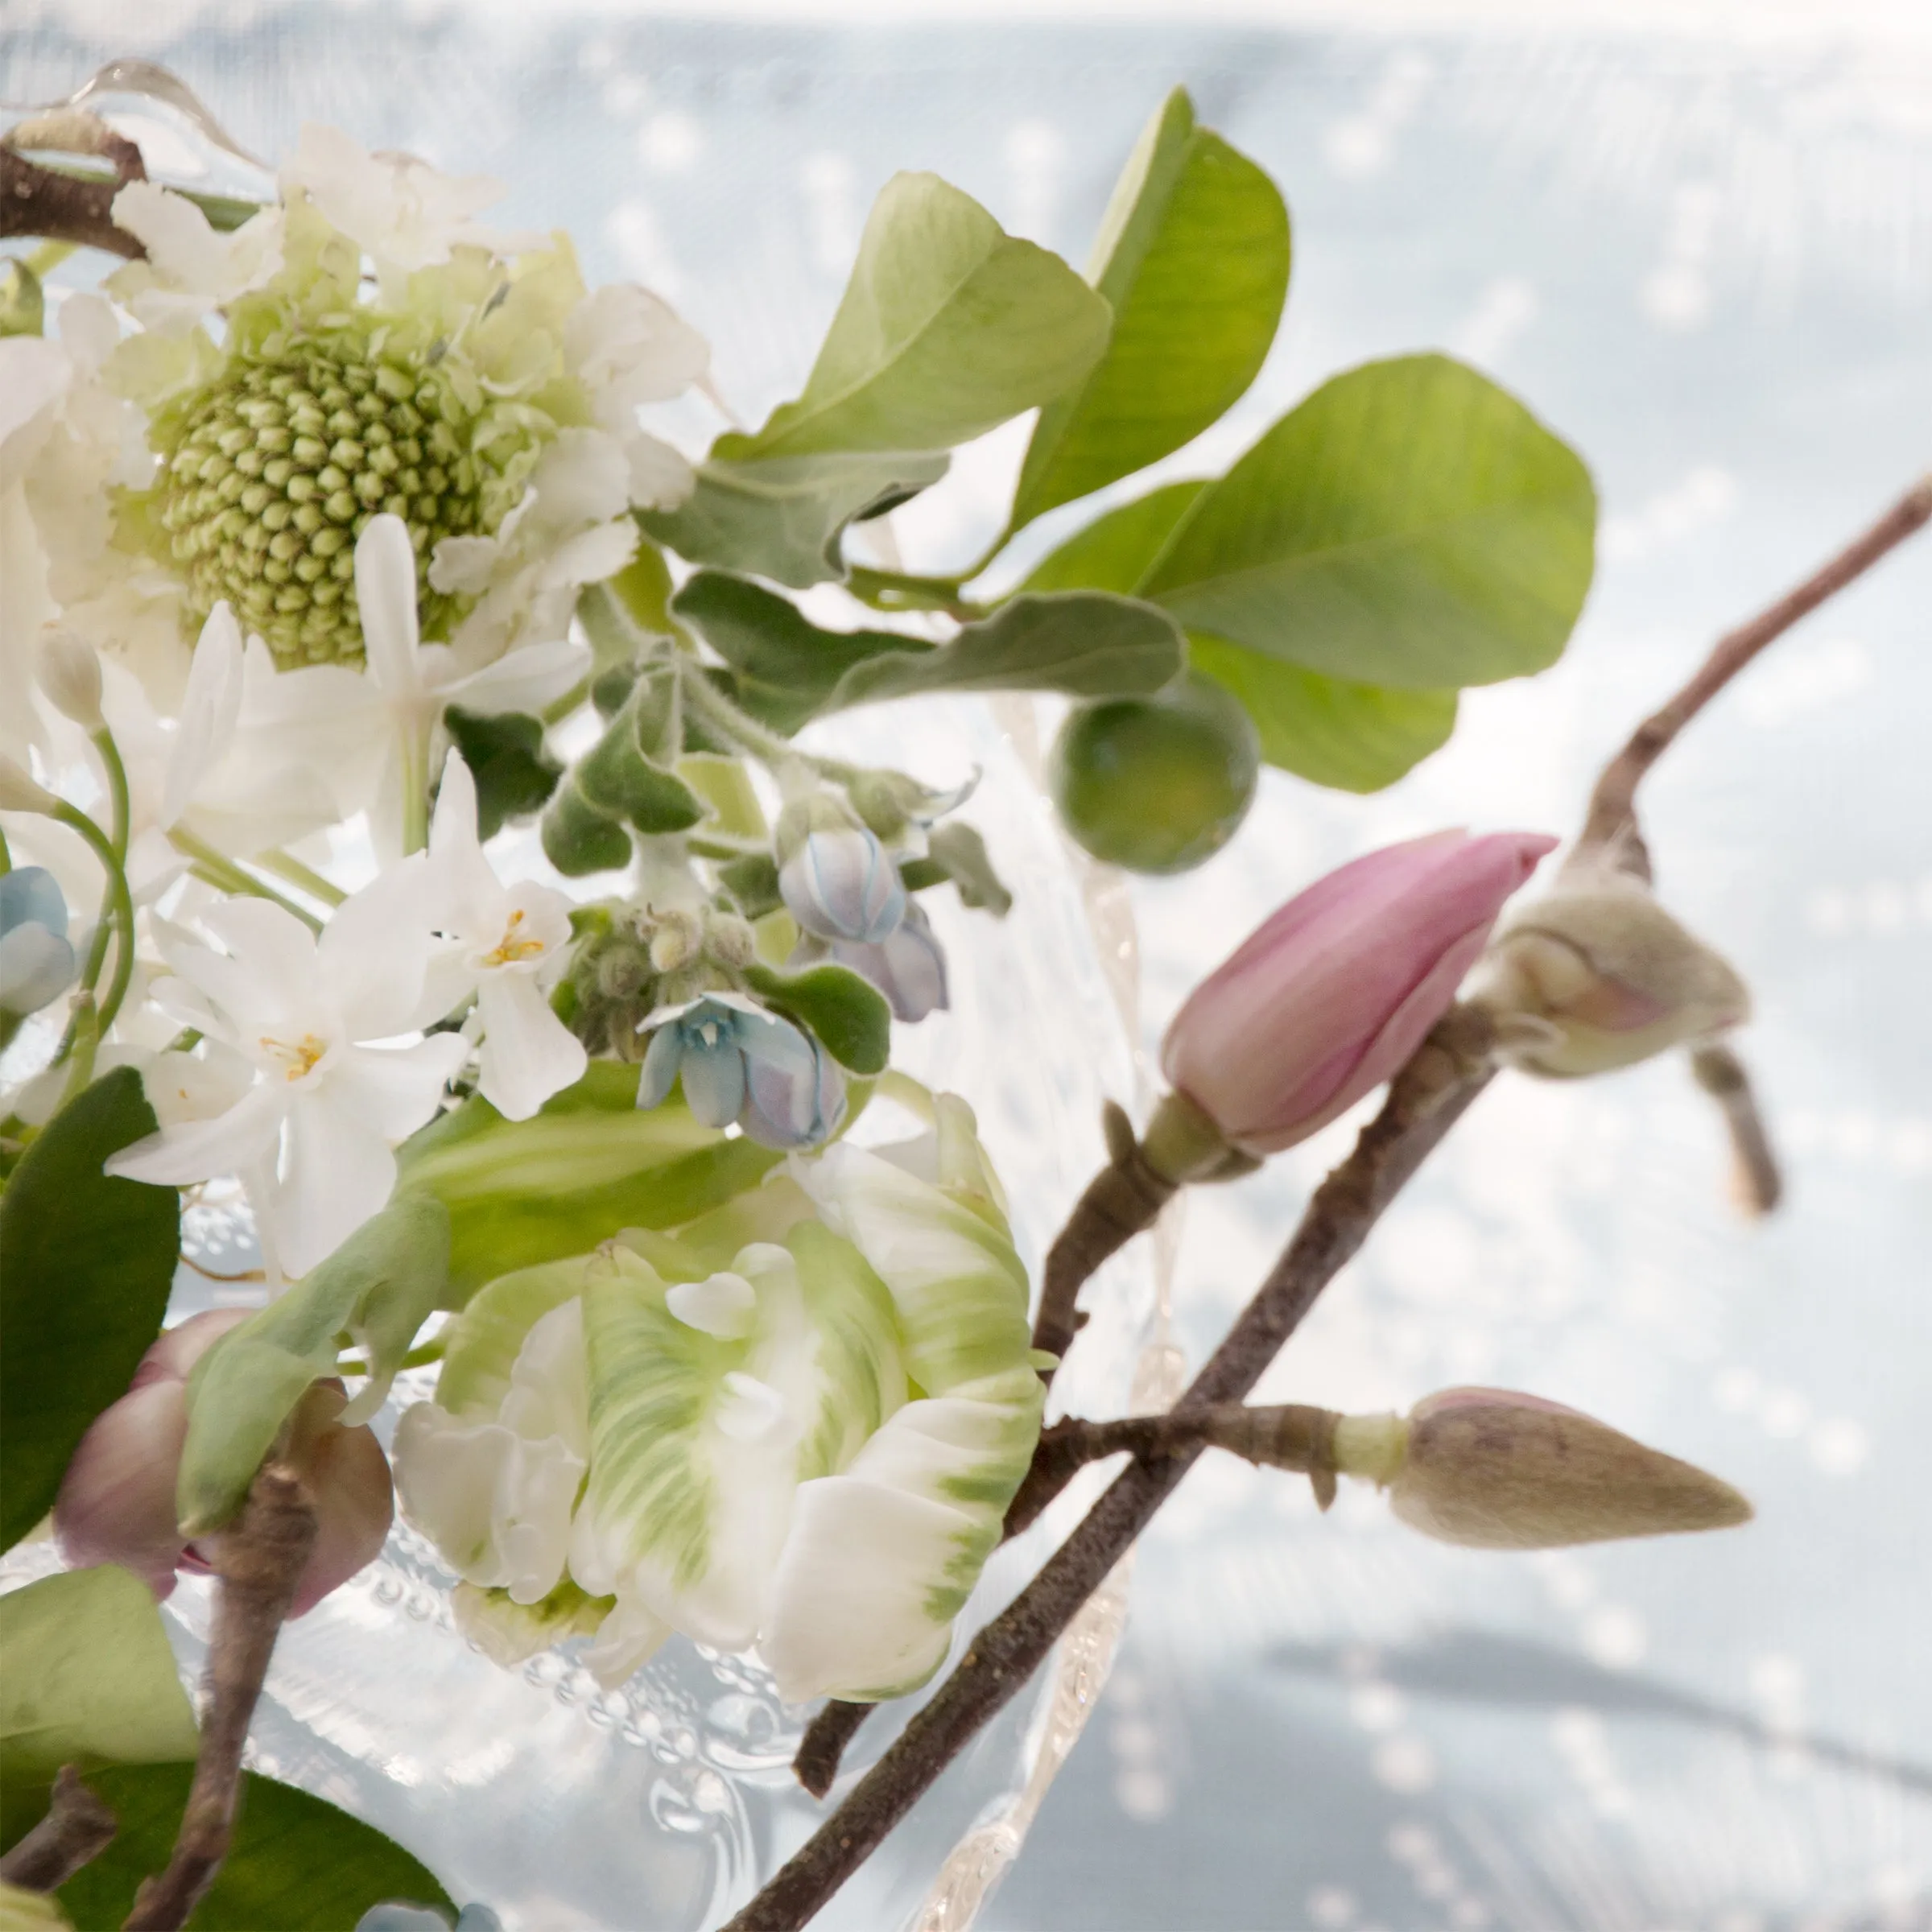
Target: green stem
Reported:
point(47, 258)
point(309, 881)
point(6, 856)
point(104, 926)
point(419, 1357)
point(415, 793)
point(771, 747)
point(119, 905)
point(211, 866)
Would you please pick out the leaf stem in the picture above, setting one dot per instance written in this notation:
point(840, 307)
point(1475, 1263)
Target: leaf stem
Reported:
point(903, 590)
point(300, 875)
point(218, 870)
point(767, 746)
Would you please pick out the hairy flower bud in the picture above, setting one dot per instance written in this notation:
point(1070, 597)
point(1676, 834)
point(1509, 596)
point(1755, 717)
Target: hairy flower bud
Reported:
point(117, 1501)
point(1493, 1470)
point(70, 675)
point(1596, 974)
point(834, 876)
point(1335, 991)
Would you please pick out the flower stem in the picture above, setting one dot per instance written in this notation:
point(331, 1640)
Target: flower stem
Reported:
point(767, 746)
point(304, 877)
point(415, 793)
point(117, 843)
point(1721, 1074)
point(117, 907)
point(216, 870)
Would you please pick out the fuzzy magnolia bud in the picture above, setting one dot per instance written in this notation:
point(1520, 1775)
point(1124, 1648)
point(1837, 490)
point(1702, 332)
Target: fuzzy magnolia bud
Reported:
point(1596, 975)
point(70, 675)
point(1493, 1470)
point(1333, 994)
point(117, 1503)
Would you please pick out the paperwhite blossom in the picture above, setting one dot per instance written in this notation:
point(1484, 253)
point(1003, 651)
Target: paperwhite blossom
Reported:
point(375, 732)
point(312, 1136)
point(505, 943)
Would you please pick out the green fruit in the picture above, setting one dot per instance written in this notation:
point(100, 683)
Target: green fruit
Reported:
point(1157, 784)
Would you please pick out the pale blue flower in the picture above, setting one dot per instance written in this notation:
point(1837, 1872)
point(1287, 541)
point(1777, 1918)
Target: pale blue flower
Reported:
point(836, 879)
point(908, 966)
point(393, 1915)
point(739, 1063)
point(36, 962)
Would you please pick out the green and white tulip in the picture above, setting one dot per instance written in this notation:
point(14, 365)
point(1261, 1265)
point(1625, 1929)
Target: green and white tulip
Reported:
point(804, 1444)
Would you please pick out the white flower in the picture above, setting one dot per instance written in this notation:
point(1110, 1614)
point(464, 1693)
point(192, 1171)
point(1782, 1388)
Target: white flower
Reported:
point(629, 348)
point(190, 267)
point(375, 732)
point(507, 943)
point(572, 527)
point(398, 209)
point(311, 1138)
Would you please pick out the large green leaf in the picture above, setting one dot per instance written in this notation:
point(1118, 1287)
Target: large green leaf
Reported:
point(782, 517)
point(1193, 257)
point(86, 1678)
point(85, 1266)
point(948, 327)
point(1118, 548)
point(1087, 643)
point(1408, 524)
point(521, 1192)
point(298, 1863)
point(782, 664)
point(379, 1286)
point(1355, 737)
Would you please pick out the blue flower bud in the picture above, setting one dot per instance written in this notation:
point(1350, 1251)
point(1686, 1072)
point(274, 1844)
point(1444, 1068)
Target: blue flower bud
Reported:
point(739, 1063)
point(909, 967)
point(36, 962)
point(834, 875)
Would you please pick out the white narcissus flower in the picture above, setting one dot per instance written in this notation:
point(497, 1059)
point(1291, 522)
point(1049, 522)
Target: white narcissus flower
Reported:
point(376, 732)
point(507, 944)
point(808, 1448)
point(312, 1138)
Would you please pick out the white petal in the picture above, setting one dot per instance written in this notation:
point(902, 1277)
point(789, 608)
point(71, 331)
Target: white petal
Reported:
point(274, 954)
point(374, 952)
point(339, 1173)
point(528, 1053)
point(526, 680)
point(722, 1304)
point(385, 597)
point(209, 708)
point(625, 1640)
point(204, 1149)
point(395, 1089)
point(464, 565)
point(550, 1382)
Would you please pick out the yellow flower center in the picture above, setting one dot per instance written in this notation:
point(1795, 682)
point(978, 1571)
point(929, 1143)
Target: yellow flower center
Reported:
point(300, 1057)
point(513, 947)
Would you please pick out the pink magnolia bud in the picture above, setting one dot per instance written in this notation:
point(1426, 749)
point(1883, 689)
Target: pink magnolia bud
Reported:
point(1493, 1470)
point(117, 1501)
point(1328, 998)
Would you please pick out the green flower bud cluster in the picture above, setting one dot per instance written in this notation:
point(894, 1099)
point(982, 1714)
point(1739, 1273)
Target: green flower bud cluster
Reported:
point(276, 469)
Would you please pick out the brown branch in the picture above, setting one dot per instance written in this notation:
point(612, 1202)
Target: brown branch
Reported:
point(1721, 1074)
point(1611, 818)
point(1428, 1096)
point(43, 203)
point(816, 1765)
point(1125, 1198)
point(77, 1828)
point(259, 1562)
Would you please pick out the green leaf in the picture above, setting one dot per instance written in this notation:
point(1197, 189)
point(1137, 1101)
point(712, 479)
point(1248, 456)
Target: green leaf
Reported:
point(1193, 257)
point(783, 517)
point(579, 838)
point(1115, 551)
point(783, 665)
point(960, 853)
point(1086, 643)
point(753, 881)
point(619, 778)
point(847, 1013)
point(298, 1863)
point(948, 327)
point(22, 304)
point(89, 1679)
point(1355, 737)
point(379, 1286)
point(1409, 524)
point(522, 1192)
point(505, 753)
point(86, 1263)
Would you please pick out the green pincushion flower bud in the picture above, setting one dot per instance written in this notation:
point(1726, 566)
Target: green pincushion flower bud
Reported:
point(270, 473)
